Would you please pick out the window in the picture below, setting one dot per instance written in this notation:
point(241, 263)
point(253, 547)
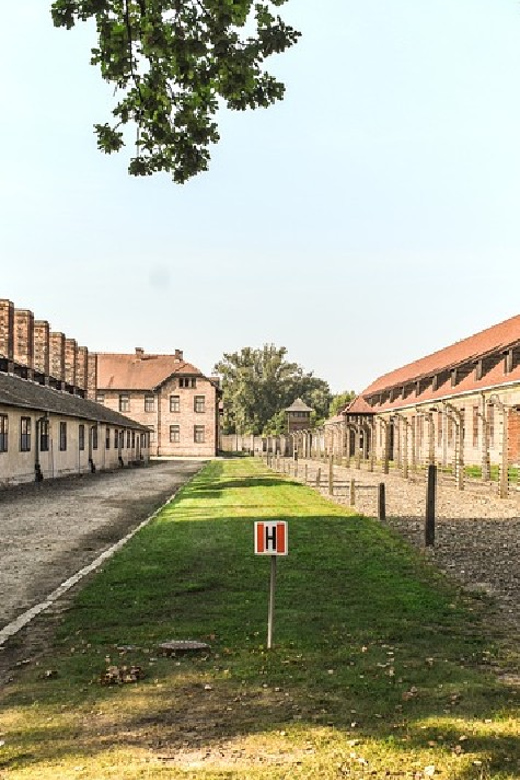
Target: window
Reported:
point(63, 436)
point(149, 403)
point(25, 434)
point(175, 403)
point(124, 402)
point(128, 440)
point(151, 435)
point(94, 437)
point(4, 432)
point(116, 438)
point(100, 398)
point(133, 439)
point(199, 434)
point(175, 434)
point(187, 381)
point(44, 435)
point(81, 437)
point(107, 439)
point(200, 403)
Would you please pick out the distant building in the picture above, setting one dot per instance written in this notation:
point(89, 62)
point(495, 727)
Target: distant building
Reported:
point(173, 398)
point(298, 416)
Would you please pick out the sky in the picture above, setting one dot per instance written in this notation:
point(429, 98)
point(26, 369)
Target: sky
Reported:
point(369, 219)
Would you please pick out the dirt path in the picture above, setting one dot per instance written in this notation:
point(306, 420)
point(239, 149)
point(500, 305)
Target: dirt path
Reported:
point(50, 531)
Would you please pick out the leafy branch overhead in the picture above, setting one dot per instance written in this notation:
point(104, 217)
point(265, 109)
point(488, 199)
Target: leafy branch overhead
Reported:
point(172, 63)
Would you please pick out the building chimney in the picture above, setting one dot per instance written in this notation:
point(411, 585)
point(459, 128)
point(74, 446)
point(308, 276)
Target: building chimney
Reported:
point(6, 328)
point(139, 352)
point(82, 369)
point(24, 337)
point(179, 354)
point(71, 358)
point(57, 355)
point(41, 346)
point(92, 378)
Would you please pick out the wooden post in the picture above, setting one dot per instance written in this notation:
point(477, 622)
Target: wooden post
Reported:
point(381, 502)
point(429, 528)
point(270, 614)
point(331, 475)
point(503, 486)
point(352, 493)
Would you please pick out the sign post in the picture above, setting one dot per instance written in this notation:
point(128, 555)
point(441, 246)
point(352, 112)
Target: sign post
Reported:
point(271, 538)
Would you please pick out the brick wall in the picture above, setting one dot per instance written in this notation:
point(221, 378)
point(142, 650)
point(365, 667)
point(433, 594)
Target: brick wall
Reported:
point(57, 355)
point(71, 359)
point(91, 376)
point(82, 368)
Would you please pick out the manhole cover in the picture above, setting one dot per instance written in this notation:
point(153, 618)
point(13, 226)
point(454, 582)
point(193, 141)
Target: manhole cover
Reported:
point(182, 646)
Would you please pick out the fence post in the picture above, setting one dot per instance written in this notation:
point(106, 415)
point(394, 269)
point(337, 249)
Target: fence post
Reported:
point(318, 478)
point(429, 528)
point(331, 475)
point(352, 493)
point(305, 473)
point(381, 502)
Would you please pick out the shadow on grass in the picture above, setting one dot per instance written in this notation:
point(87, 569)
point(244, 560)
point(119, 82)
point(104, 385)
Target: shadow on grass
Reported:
point(371, 644)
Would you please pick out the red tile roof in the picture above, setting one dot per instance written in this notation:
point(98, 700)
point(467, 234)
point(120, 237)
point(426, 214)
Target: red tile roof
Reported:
point(495, 340)
point(139, 371)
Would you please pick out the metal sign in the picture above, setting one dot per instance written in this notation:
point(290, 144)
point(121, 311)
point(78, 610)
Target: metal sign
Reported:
point(271, 538)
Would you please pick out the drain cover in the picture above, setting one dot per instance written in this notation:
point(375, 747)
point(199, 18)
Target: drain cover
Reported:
point(182, 646)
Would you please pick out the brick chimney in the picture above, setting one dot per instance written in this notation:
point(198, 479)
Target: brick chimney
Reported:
point(24, 337)
point(179, 354)
point(6, 328)
point(71, 358)
point(41, 346)
point(139, 352)
point(57, 355)
point(82, 368)
point(92, 376)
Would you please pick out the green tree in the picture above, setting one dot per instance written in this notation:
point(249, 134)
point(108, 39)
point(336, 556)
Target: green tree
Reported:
point(173, 62)
point(258, 384)
point(339, 402)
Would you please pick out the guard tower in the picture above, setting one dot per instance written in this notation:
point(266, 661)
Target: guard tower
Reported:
point(298, 416)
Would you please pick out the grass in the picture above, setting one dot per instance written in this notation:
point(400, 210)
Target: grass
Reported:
point(381, 669)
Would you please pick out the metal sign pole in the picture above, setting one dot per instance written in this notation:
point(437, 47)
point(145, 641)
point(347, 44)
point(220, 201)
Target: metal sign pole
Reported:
point(270, 615)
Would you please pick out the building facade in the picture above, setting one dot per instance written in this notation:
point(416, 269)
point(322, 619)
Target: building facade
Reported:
point(171, 397)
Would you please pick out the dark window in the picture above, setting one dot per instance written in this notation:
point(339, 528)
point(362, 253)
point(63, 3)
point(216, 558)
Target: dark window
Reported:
point(107, 439)
point(94, 437)
point(116, 438)
point(133, 439)
point(63, 436)
point(44, 435)
point(128, 440)
point(25, 434)
point(199, 434)
point(124, 402)
point(149, 403)
point(175, 403)
point(175, 434)
point(199, 403)
point(81, 436)
point(187, 381)
point(4, 432)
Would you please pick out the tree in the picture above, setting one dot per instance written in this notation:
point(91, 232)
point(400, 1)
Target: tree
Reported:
point(173, 63)
point(258, 384)
point(340, 400)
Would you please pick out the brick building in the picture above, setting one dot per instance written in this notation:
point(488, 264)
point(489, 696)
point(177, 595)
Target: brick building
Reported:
point(48, 425)
point(177, 403)
point(459, 406)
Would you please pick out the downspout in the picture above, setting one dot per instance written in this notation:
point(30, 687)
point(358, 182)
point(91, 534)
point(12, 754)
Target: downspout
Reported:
point(38, 475)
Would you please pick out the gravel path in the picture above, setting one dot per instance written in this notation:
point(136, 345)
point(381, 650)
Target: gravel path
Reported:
point(49, 531)
point(477, 538)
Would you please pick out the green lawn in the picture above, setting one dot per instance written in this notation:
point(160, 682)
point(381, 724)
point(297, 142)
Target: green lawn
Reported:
point(380, 668)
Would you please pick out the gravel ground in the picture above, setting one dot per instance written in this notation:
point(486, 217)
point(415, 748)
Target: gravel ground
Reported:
point(51, 530)
point(477, 539)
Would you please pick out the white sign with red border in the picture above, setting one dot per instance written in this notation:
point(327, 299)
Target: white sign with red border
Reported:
point(271, 538)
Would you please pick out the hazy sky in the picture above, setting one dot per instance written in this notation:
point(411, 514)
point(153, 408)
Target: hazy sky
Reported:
point(369, 219)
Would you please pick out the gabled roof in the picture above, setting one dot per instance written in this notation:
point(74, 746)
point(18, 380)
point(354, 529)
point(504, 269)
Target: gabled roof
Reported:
point(430, 378)
point(298, 406)
point(139, 372)
point(498, 337)
point(25, 394)
point(358, 406)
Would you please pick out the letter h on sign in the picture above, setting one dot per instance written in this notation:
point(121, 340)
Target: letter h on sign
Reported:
point(271, 538)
